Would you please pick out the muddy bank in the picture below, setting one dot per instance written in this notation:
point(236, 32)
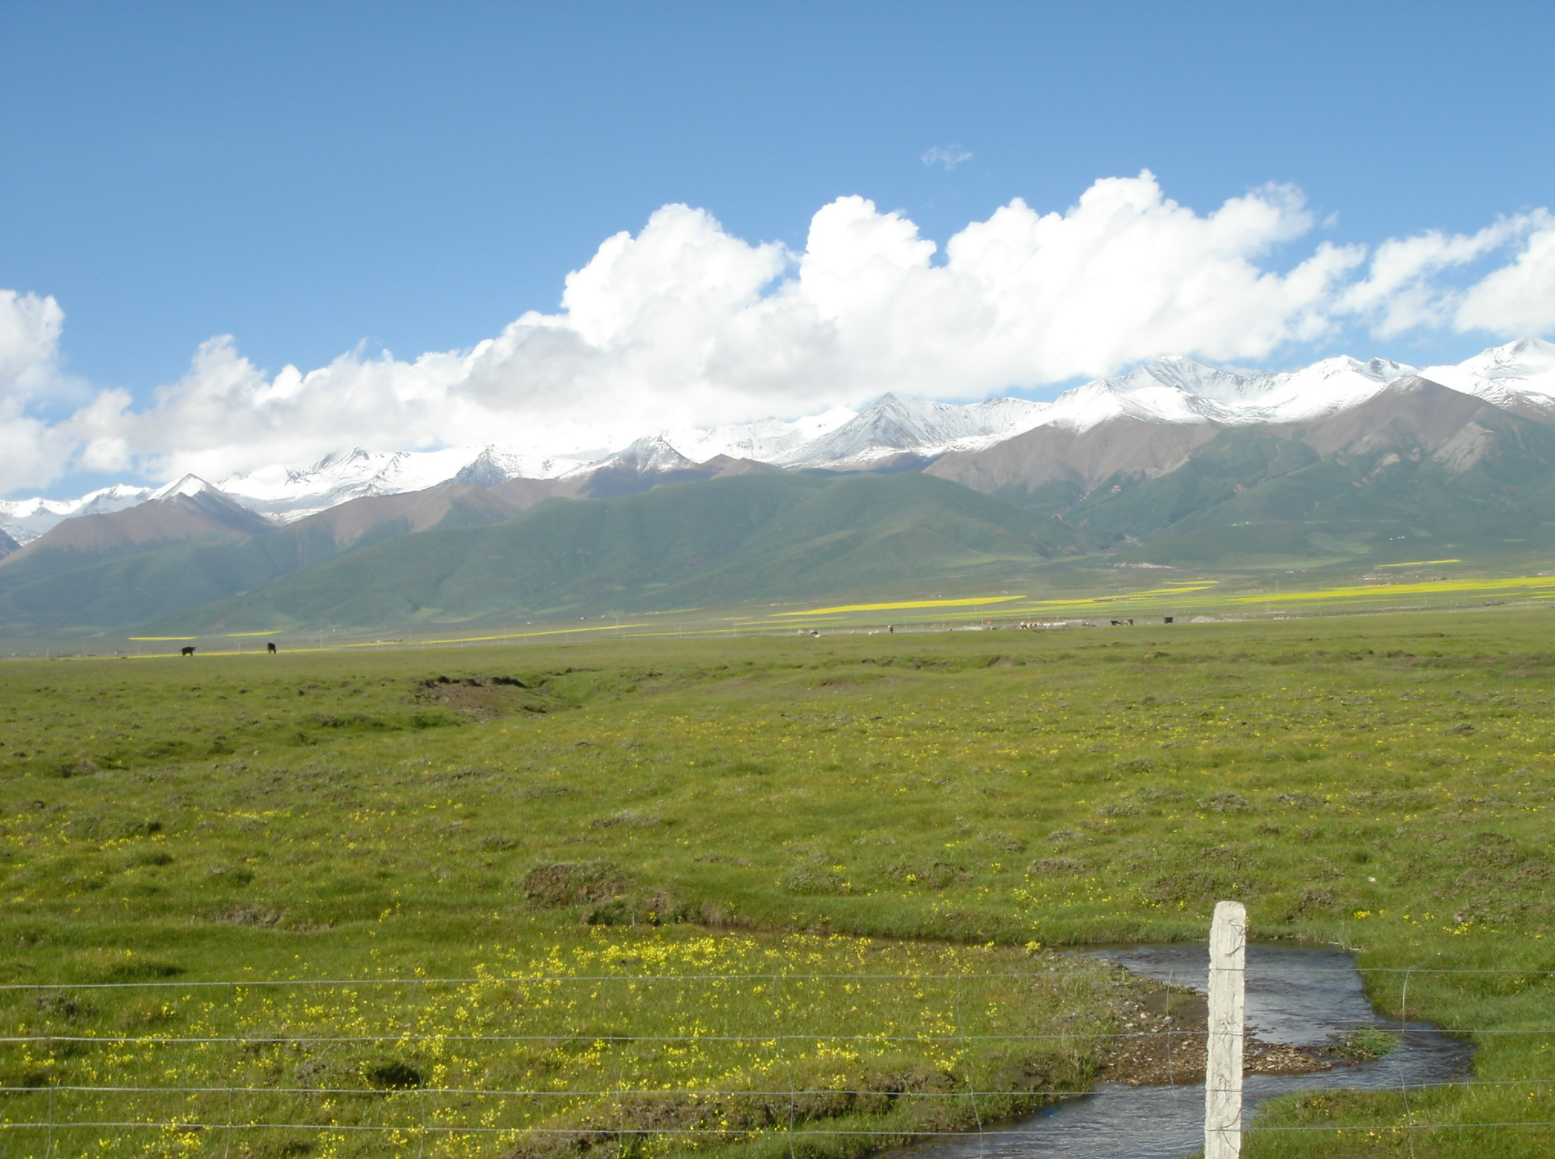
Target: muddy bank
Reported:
point(1163, 1039)
point(1303, 1004)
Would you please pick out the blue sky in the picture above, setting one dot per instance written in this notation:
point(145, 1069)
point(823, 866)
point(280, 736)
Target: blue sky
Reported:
point(313, 179)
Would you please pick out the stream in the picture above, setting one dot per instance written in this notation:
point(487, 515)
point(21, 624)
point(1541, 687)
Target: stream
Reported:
point(1296, 995)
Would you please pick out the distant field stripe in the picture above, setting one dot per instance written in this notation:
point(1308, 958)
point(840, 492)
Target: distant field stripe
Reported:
point(1121, 598)
point(1390, 591)
point(164, 638)
point(904, 604)
point(503, 636)
point(1419, 563)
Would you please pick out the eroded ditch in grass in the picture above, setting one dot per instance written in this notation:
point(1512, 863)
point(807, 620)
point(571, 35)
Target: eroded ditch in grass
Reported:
point(1301, 996)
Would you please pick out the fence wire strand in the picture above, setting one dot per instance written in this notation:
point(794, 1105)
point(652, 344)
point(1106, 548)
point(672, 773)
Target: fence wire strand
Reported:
point(616, 1089)
point(499, 979)
point(187, 1125)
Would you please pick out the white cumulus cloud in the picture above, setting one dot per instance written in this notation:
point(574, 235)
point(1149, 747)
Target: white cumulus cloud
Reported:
point(29, 342)
point(1518, 298)
point(33, 453)
point(684, 323)
point(1402, 292)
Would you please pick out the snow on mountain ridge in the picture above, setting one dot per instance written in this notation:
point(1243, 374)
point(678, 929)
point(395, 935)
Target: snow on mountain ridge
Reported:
point(765, 440)
point(26, 519)
point(289, 494)
point(896, 424)
point(1170, 389)
point(1176, 389)
point(1319, 389)
point(495, 465)
point(1224, 384)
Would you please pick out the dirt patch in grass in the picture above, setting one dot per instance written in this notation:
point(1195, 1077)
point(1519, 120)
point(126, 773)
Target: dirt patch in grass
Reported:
point(557, 884)
point(486, 697)
point(1055, 867)
point(929, 874)
point(249, 914)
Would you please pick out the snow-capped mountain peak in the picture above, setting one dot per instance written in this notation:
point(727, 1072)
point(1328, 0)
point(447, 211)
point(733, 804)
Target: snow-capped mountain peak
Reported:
point(189, 485)
point(897, 424)
point(1526, 366)
point(649, 453)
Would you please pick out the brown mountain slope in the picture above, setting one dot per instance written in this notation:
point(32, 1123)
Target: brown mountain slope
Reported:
point(208, 514)
point(1083, 458)
point(458, 503)
point(1413, 414)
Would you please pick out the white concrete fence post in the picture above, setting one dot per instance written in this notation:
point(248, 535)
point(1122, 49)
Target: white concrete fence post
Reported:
point(1223, 1069)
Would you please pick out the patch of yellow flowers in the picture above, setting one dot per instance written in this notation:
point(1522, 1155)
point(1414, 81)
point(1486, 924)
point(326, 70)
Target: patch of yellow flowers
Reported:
point(664, 1040)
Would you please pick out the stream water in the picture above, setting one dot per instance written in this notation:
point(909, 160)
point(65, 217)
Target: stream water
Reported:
point(1295, 995)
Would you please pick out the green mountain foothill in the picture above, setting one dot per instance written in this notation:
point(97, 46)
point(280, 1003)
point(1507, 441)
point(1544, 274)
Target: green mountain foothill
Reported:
point(736, 539)
point(170, 555)
point(106, 571)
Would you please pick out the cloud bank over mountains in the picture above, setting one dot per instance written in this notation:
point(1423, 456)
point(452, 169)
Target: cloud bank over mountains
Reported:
point(686, 324)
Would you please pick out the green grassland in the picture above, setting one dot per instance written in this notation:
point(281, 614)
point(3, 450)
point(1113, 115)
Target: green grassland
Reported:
point(594, 851)
point(999, 592)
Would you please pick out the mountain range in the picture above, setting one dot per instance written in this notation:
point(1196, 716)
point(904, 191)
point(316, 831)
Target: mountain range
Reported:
point(1175, 462)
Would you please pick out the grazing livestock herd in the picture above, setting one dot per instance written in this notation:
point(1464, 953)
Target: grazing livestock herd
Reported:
point(188, 649)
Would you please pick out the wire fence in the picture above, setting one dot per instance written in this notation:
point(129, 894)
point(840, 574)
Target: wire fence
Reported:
point(646, 1064)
